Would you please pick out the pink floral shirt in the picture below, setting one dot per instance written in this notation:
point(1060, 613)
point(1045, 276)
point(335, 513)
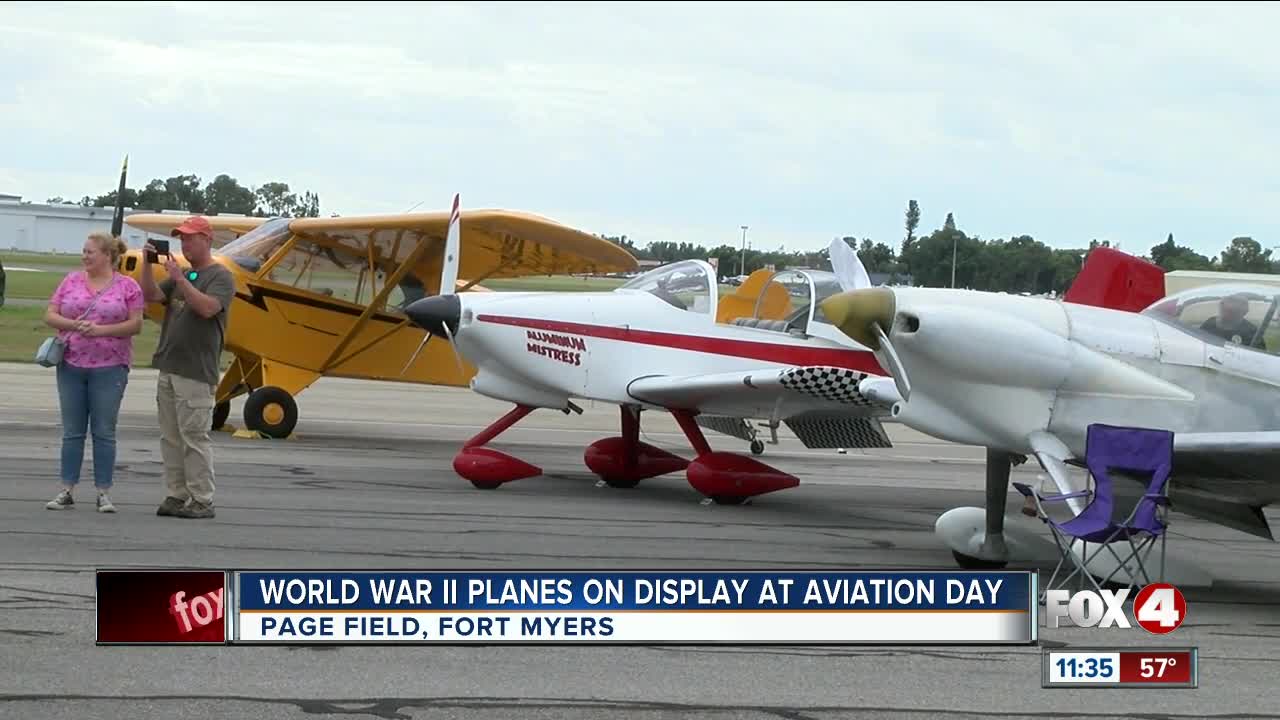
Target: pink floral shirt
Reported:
point(74, 295)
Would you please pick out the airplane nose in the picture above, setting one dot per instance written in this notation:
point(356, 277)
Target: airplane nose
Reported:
point(434, 313)
point(857, 312)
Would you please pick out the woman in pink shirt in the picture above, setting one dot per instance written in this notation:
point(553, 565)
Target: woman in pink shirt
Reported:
point(95, 366)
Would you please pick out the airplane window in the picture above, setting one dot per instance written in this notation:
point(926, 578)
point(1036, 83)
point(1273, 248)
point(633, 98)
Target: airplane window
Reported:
point(1243, 315)
point(685, 285)
point(783, 303)
point(253, 248)
point(825, 285)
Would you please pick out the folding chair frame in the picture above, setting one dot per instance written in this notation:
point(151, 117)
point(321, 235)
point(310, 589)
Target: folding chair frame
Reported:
point(1123, 530)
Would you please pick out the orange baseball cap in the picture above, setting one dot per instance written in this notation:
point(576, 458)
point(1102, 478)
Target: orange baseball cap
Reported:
point(194, 225)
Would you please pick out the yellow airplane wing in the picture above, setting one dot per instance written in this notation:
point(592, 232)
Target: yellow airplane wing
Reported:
point(494, 244)
point(225, 228)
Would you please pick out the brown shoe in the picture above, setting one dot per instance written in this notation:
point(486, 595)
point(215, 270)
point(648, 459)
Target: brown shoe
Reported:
point(196, 510)
point(170, 507)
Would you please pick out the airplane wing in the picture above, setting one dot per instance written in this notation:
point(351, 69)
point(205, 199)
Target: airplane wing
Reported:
point(225, 228)
point(821, 405)
point(494, 244)
point(1227, 477)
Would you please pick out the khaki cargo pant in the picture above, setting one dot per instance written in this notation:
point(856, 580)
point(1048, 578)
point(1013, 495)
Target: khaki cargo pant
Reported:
point(186, 415)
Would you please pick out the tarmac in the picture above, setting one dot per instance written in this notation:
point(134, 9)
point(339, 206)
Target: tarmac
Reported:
point(367, 483)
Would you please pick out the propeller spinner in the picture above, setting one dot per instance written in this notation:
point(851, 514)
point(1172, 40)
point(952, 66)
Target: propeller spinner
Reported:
point(866, 315)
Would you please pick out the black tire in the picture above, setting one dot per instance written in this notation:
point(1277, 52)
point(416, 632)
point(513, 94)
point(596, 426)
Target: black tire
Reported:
point(729, 499)
point(968, 562)
point(757, 447)
point(260, 403)
point(621, 482)
point(221, 412)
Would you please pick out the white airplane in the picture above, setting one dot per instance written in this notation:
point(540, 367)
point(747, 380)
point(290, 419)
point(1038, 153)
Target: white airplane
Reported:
point(655, 344)
point(1025, 376)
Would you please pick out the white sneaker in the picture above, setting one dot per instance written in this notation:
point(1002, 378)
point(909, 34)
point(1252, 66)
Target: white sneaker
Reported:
point(61, 502)
point(104, 503)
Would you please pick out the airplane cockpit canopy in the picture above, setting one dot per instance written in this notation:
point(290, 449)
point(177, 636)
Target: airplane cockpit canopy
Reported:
point(687, 285)
point(1238, 314)
point(314, 267)
point(252, 249)
point(789, 301)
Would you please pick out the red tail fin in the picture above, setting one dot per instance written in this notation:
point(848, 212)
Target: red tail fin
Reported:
point(1118, 281)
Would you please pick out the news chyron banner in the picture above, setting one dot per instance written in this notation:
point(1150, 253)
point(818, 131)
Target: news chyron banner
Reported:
point(577, 608)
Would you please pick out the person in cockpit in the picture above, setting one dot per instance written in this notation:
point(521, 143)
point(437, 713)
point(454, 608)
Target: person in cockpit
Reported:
point(412, 289)
point(1230, 323)
point(664, 291)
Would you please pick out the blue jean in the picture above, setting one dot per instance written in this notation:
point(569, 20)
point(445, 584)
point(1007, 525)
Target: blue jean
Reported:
point(90, 400)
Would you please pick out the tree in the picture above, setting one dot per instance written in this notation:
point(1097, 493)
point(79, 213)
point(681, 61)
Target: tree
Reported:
point(950, 224)
point(156, 197)
point(308, 206)
point(1245, 255)
point(876, 258)
point(1176, 257)
point(275, 199)
point(913, 221)
point(225, 195)
point(109, 200)
point(185, 189)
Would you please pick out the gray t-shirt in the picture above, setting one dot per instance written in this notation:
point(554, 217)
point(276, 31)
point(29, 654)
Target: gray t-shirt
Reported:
point(190, 345)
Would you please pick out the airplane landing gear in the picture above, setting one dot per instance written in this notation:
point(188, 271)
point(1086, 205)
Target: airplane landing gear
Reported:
point(221, 412)
point(757, 447)
point(975, 546)
point(271, 411)
point(726, 478)
point(487, 468)
point(622, 462)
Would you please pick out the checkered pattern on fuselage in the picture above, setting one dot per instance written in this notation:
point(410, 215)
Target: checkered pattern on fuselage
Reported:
point(828, 383)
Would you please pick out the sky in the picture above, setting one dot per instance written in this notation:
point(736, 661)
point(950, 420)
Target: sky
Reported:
point(679, 122)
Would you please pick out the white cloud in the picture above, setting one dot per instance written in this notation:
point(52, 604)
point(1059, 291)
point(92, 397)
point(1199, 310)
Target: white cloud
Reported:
point(675, 121)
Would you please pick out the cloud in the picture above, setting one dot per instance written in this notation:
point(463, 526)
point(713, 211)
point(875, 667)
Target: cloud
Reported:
point(675, 120)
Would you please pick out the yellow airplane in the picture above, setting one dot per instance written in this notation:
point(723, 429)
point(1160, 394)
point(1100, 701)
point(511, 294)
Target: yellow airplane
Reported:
point(322, 296)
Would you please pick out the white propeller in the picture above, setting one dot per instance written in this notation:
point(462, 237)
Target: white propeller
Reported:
point(454, 346)
point(421, 345)
point(448, 281)
point(895, 364)
point(847, 266)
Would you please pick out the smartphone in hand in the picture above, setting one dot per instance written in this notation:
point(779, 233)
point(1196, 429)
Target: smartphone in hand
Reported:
point(162, 248)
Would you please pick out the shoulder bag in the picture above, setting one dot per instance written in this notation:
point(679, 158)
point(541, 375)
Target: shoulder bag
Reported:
point(50, 352)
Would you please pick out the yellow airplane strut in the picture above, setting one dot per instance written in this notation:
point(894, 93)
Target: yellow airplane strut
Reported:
point(376, 302)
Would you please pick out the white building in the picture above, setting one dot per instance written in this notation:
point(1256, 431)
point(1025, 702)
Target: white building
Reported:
point(40, 227)
point(1179, 280)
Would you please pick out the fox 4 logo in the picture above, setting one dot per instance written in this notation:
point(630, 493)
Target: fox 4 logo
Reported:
point(1158, 608)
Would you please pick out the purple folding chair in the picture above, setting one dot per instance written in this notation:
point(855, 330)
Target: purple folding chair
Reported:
point(1110, 449)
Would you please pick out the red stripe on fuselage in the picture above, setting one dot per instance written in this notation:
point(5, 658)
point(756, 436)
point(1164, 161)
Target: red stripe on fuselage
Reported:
point(859, 360)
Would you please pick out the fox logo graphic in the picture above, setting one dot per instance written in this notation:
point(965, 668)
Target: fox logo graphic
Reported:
point(1157, 608)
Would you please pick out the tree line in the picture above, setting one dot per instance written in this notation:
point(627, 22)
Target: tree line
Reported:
point(224, 195)
point(1016, 264)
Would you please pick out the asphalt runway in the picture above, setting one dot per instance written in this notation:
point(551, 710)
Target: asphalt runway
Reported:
point(368, 484)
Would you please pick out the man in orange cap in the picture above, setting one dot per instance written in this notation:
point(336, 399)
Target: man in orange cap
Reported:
point(196, 301)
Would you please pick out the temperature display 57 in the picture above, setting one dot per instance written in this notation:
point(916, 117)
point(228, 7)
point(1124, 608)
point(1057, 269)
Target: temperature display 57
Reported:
point(1119, 667)
point(1156, 666)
